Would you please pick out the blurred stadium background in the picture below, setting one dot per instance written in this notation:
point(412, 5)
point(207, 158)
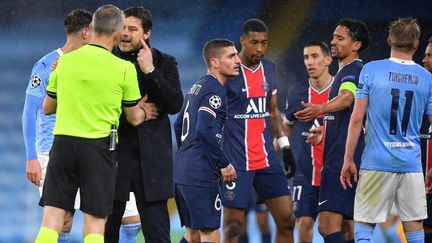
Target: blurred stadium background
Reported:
point(30, 29)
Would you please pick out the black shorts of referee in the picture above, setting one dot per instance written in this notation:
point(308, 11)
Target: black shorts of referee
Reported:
point(81, 163)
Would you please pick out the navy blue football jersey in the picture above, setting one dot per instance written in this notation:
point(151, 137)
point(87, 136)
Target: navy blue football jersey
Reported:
point(248, 140)
point(336, 123)
point(309, 159)
point(199, 129)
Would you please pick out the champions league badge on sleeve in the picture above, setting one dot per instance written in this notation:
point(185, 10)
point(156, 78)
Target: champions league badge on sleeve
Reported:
point(36, 81)
point(215, 101)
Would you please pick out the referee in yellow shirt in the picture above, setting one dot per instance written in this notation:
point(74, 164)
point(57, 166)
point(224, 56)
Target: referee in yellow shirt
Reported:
point(88, 90)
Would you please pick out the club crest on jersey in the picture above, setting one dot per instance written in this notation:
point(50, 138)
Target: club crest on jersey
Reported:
point(265, 86)
point(229, 195)
point(215, 101)
point(36, 81)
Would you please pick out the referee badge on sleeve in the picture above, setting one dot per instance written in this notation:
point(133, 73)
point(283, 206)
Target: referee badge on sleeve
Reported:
point(36, 81)
point(215, 102)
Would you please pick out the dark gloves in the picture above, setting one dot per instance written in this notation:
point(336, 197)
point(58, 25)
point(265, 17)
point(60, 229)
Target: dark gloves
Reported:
point(289, 162)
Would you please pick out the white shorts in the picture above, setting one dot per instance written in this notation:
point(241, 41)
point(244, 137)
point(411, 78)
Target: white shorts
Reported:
point(43, 158)
point(377, 191)
point(131, 207)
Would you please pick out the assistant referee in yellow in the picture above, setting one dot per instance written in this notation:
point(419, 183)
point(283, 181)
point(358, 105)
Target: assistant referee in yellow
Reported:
point(88, 90)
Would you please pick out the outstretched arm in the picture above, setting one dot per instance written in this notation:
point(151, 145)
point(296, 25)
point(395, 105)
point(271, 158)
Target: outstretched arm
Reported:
point(349, 168)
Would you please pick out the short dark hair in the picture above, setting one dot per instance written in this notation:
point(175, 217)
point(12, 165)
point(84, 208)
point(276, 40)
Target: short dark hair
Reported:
point(77, 20)
point(357, 30)
point(212, 48)
point(253, 25)
point(143, 14)
point(324, 47)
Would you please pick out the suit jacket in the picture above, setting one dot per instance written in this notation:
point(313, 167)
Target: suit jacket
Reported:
point(151, 141)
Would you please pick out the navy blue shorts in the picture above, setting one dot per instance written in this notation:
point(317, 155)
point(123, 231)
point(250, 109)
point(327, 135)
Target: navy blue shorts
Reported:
point(305, 198)
point(268, 183)
point(199, 207)
point(428, 221)
point(333, 198)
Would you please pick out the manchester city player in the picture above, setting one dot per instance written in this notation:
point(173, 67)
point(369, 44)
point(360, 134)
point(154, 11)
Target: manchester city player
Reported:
point(336, 205)
point(38, 127)
point(394, 93)
point(309, 159)
point(200, 159)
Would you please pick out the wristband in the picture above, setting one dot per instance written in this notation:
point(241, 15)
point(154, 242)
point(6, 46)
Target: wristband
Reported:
point(283, 142)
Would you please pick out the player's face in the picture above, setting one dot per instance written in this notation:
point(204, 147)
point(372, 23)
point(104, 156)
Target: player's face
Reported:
point(254, 45)
point(229, 62)
point(315, 61)
point(427, 59)
point(132, 34)
point(342, 45)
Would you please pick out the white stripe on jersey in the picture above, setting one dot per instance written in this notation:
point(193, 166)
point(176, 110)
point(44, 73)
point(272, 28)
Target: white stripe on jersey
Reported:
point(203, 108)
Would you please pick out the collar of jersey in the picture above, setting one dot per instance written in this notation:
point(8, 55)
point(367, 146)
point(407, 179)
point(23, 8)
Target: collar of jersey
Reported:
point(405, 62)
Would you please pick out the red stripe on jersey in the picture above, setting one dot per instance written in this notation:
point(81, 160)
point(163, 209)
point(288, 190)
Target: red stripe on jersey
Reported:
point(317, 151)
point(428, 158)
point(256, 154)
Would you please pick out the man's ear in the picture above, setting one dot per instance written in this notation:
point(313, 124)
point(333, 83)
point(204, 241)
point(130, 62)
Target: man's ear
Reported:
point(388, 41)
point(147, 35)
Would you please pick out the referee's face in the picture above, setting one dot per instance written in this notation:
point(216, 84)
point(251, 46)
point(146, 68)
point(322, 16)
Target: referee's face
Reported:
point(132, 34)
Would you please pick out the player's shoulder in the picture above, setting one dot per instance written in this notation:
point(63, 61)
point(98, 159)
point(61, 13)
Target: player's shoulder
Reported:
point(350, 71)
point(46, 61)
point(268, 64)
point(209, 84)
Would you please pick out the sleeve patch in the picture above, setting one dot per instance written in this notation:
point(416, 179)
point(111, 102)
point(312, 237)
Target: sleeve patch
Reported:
point(351, 78)
point(36, 81)
point(215, 102)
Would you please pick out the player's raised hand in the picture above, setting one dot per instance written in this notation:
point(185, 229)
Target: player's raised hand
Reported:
point(229, 173)
point(315, 137)
point(145, 58)
point(34, 171)
point(309, 112)
point(348, 170)
point(150, 109)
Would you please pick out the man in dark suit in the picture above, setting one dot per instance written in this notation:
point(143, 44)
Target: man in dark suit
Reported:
point(145, 152)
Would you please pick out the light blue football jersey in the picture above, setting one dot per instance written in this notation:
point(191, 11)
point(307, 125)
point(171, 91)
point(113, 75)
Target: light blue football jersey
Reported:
point(37, 88)
point(399, 92)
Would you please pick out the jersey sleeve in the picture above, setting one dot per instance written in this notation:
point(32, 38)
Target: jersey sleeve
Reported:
point(131, 92)
point(52, 85)
point(349, 79)
point(38, 80)
point(29, 118)
point(364, 84)
point(293, 102)
point(208, 128)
